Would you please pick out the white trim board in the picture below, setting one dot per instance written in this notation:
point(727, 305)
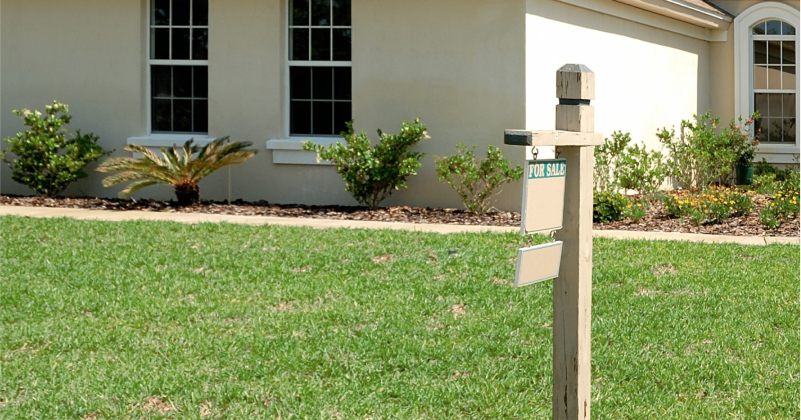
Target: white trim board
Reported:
point(628, 11)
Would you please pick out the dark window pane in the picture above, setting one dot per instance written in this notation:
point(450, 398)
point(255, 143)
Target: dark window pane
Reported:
point(789, 130)
point(162, 80)
point(775, 105)
point(180, 12)
point(162, 115)
point(182, 82)
point(200, 82)
point(342, 44)
point(321, 12)
point(201, 116)
point(342, 82)
point(321, 44)
point(789, 104)
point(180, 44)
point(761, 104)
point(200, 44)
point(160, 44)
point(299, 44)
point(342, 114)
point(200, 12)
point(788, 52)
point(774, 52)
point(787, 29)
point(322, 118)
point(300, 12)
point(774, 27)
point(759, 29)
point(322, 83)
point(760, 52)
point(300, 117)
point(182, 115)
point(300, 83)
point(161, 12)
point(341, 11)
point(766, 131)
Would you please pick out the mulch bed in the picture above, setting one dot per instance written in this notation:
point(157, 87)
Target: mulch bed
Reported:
point(262, 208)
point(748, 225)
point(654, 221)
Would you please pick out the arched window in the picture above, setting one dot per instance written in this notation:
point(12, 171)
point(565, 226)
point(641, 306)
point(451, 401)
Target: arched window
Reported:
point(766, 56)
point(773, 80)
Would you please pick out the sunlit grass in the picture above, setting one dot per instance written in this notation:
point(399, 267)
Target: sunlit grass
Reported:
point(166, 320)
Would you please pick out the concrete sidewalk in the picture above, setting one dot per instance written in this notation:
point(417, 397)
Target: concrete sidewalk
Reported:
point(113, 215)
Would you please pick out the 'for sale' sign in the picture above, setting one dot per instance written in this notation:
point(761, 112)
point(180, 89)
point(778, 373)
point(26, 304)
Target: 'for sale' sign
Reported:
point(543, 195)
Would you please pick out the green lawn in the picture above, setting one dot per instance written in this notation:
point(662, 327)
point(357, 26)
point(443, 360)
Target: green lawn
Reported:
point(164, 320)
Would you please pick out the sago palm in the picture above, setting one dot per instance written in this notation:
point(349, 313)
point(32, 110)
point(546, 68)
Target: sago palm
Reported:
point(178, 167)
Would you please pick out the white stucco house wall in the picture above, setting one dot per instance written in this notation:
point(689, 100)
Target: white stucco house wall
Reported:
point(280, 72)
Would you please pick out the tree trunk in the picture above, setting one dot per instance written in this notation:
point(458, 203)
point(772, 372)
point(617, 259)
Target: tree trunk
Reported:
point(187, 194)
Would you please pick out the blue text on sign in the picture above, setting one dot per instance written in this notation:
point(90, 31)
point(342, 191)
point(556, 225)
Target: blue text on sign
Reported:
point(552, 168)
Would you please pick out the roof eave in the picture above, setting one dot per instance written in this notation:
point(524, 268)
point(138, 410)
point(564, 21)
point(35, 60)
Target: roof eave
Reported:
point(685, 12)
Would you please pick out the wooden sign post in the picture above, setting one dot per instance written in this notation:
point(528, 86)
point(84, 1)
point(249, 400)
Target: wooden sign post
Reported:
point(572, 290)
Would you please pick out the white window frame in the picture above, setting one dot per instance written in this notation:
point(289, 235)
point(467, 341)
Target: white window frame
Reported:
point(160, 136)
point(315, 138)
point(743, 71)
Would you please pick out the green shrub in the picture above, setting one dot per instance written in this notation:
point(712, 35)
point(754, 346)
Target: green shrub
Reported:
point(48, 156)
point(607, 160)
point(636, 210)
point(765, 168)
point(697, 156)
point(179, 168)
point(641, 170)
point(608, 206)
point(768, 218)
point(372, 174)
point(476, 181)
point(765, 183)
point(741, 204)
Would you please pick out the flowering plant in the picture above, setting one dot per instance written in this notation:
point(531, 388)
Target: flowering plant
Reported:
point(739, 134)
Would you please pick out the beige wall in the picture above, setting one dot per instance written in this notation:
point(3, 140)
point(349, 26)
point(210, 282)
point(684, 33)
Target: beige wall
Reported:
point(646, 78)
point(86, 54)
point(735, 7)
point(460, 69)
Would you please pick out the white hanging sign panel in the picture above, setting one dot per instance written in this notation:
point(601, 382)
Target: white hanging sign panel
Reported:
point(538, 263)
point(543, 195)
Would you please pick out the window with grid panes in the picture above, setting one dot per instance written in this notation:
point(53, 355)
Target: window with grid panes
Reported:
point(774, 81)
point(319, 66)
point(179, 34)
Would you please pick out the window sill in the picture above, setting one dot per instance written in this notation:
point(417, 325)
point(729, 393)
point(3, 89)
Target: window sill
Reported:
point(290, 151)
point(169, 140)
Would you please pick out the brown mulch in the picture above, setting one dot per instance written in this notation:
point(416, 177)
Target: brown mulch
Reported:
point(403, 214)
point(748, 225)
point(654, 221)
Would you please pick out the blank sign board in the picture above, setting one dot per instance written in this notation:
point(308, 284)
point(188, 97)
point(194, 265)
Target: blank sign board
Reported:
point(543, 195)
point(538, 263)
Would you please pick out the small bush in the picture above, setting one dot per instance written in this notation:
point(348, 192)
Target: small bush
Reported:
point(765, 168)
point(608, 206)
point(768, 218)
point(765, 183)
point(641, 170)
point(476, 181)
point(607, 160)
point(372, 174)
point(636, 210)
point(49, 156)
point(697, 156)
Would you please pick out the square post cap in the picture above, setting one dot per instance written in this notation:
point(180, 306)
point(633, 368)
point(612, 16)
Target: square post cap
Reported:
point(575, 84)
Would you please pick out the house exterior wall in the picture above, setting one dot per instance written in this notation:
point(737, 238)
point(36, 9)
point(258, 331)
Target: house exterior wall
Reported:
point(646, 78)
point(460, 69)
